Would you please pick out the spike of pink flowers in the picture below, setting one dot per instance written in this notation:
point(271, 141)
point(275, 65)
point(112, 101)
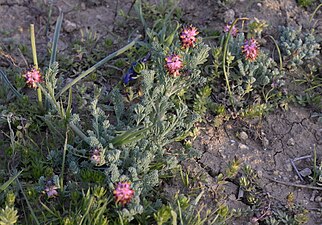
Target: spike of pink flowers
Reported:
point(33, 77)
point(234, 30)
point(188, 36)
point(250, 49)
point(123, 193)
point(96, 156)
point(173, 64)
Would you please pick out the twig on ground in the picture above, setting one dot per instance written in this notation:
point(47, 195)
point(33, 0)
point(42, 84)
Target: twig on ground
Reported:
point(296, 170)
point(293, 184)
point(301, 158)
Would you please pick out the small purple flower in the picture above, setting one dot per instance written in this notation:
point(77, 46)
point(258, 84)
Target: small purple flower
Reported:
point(50, 189)
point(188, 36)
point(250, 48)
point(33, 77)
point(130, 75)
point(173, 65)
point(123, 193)
point(234, 30)
point(132, 72)
point(96, 157)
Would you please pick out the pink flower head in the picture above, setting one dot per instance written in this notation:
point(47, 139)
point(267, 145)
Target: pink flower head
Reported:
point(96, 157)
point(33, 77)
point(188, 36)
point(234, 30)
point(250, 48)
point(173, 64)
point(123, 193)
point(50, 189)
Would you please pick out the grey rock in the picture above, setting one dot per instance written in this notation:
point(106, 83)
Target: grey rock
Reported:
point(243, 136)
point(83, 6)
point(260, 174)
point(69, 26)
point(265, 142)
point(288, 167)
point(243, 147)
point(229, 15)
point(318, 199)
point(314, 192)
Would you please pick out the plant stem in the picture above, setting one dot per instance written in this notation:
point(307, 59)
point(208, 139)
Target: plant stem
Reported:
point(313, 14)
point(224, 59)
point(28, 204)
point(63, 163)
point(315, 175)
point(34, 56)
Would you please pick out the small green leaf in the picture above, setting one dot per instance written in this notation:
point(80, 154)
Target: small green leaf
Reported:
point(6, 184)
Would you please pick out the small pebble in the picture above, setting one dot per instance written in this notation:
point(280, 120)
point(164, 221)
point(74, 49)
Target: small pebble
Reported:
point(260, 174)
point(290, 142)
point(313, 195)
point(229, 16)
point(243, 147)
point(232, 197)
point(243, 136)
point(318, 199)
point(289, 167)
point(69, 26)
point(265, 142)
point(83, 6)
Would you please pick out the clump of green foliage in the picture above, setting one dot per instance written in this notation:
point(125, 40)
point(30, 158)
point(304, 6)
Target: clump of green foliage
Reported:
point(297, 46)
point(252, 87)
point(305, 3)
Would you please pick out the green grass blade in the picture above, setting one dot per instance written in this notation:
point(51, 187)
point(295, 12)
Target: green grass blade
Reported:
point(129, 136)
point(56, 38)
point(278, 51)
point(4, 77)
point(7, 183)
point(138, 9)
point(97, 65)
point(28, 203)
point(69, 104)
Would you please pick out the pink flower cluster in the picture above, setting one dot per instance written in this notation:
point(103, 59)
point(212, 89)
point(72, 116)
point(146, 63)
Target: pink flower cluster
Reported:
point(123, 193)
point(234, 30)
point(173, 64)
point(250, 49)
point(33, 77)
point(188, 36)
point(96, 156)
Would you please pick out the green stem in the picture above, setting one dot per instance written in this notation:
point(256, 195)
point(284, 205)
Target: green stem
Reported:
point(34, 56)
point(315, 175)
point(313, 14)
point(79, 132)
point(279, 52)
point(63, 163)
point(28, 204)
point(97, 65)
point(224, 59)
